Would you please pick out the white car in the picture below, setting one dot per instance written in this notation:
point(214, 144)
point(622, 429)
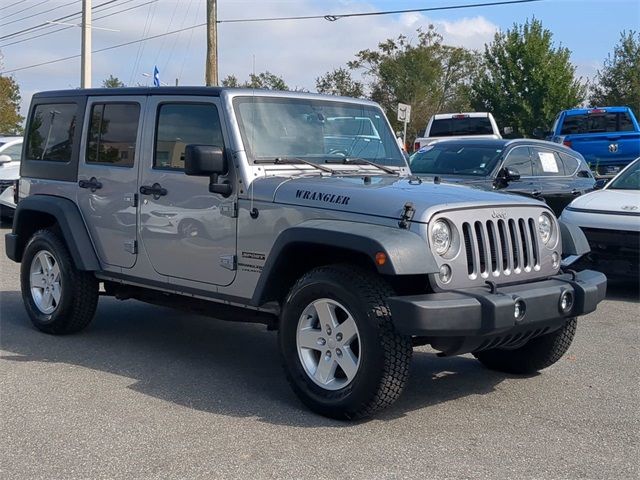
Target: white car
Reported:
point(10, 156)
point(610, 219)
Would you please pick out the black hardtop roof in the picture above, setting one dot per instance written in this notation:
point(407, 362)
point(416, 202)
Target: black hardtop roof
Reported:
point(120, 91)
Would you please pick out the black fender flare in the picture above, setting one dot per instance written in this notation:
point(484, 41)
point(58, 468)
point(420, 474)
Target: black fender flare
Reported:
point(407, 253)
point(69, 221)
point(574, 241)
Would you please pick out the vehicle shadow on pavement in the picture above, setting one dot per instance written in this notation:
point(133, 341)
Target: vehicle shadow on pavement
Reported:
point(627, 290)
point(213, 366)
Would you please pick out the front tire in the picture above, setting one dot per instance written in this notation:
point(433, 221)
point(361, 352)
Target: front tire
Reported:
point(339, 348)
point(533, 356)
point(58, 298)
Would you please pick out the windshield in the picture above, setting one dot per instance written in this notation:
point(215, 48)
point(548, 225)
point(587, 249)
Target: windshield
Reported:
point(456, 127)
point(627, 180)
point(453, 158)
point(315, 130)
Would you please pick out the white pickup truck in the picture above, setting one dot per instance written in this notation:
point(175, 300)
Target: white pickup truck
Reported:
point(458, 125)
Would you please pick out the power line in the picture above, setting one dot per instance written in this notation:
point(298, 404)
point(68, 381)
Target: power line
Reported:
point(65, 17)
point(94, 19)
point(24, 9)
point(12, 5)
point(36, 14)
point(452, 7)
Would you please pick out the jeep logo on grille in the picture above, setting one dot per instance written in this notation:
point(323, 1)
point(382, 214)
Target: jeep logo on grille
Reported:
point(499, 214)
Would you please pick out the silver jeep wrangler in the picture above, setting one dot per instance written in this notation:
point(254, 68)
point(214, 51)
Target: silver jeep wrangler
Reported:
point(295, 210)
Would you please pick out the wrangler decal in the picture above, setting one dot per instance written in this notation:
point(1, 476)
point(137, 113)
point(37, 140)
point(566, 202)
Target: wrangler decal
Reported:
point(323, 197)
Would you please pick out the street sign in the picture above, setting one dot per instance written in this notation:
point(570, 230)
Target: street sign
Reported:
point(404, 113)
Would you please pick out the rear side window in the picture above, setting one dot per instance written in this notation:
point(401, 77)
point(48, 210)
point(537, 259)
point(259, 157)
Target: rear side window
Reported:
point(51, 130)
point(454, 127)
point(597, 123)
point(113, 130)
point(571, 164)
point(181, 124)
point(547, 163)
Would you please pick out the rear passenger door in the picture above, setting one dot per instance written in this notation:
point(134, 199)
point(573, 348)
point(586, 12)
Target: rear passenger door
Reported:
point(556, 186)
point(108, 176)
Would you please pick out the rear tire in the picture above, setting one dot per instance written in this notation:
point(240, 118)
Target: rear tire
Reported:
point(58, 298)
point(536, 354)
point(366, 359)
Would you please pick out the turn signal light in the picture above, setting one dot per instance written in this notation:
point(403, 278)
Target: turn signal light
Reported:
point(381, 258)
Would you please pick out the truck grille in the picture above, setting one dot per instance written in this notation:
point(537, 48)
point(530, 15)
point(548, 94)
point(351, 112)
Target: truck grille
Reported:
point(500, 246)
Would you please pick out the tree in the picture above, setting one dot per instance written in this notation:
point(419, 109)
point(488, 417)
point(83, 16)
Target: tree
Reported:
point(112, 82)
point(618, 83)
point(10, 118)
point(525, 81)
point(339, 82)
point(429, 76)
point(264, 81)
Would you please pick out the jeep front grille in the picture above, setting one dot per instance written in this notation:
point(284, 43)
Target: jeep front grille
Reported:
point(500, 247)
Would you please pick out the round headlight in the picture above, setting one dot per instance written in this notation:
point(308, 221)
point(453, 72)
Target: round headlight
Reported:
point(545, 227)
point(441, 237)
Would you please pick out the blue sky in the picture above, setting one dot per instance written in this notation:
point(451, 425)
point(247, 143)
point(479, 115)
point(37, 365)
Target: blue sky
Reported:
point(299, 51)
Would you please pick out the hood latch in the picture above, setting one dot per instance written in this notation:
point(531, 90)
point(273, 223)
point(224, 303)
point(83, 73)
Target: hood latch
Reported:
point(407, 215)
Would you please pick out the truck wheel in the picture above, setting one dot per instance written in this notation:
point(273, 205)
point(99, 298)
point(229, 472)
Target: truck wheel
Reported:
point(59, 298)
point(533, 356)
point(340, 350)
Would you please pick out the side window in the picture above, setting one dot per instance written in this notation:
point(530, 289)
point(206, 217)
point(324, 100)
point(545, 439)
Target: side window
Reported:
point(547, 163)
point(50, 134)
point(520, 160)
point(181, 124)
point(113, 130)
point(14, 151)
point(571, 164)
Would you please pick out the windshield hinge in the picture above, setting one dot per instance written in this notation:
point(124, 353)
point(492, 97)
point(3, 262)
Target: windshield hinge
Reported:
point(229, 209)
point(407, 215)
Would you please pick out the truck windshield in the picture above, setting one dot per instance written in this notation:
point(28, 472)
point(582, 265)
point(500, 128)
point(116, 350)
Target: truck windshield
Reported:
point(457, 127)
point(452, 158)
point(597, 123)
point(315, 130)
point(628, 180)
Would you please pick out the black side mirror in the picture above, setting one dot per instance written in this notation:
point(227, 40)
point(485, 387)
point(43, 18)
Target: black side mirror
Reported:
point(507, 174)
point(203, 160)
point(600, 183)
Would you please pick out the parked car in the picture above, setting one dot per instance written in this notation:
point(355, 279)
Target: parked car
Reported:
point(326, 240)
point(10, 155)
point(610, 219)
point(608, 138)
point(534, 168)
point(458, 125)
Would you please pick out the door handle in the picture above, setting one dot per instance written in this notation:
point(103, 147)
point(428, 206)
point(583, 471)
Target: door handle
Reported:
point(156, 190)
point(93, 184)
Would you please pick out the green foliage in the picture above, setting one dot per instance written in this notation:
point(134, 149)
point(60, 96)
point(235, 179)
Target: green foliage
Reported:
point(340, 82)
point(112, 82)
point(10, 118)
point(525, 81)
point(618, 83)
point(265, 81)
point(429, 76)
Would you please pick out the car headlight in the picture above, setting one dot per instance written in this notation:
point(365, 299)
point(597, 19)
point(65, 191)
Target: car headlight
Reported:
point(545, 227)
point(441, 237)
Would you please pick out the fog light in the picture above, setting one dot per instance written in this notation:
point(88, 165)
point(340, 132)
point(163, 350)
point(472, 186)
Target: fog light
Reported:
point(445, 273)
point(566, 301)
point(555, 260)
point(519, 309)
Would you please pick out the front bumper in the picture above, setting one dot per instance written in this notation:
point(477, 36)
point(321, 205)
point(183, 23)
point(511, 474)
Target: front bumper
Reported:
point(477, 312)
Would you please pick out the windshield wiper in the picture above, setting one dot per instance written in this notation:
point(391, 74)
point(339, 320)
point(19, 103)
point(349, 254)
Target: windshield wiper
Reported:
point(293, 161)
point(361, 161)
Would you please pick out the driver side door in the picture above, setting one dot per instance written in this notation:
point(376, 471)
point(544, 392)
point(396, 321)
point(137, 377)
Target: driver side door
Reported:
point(519, 159)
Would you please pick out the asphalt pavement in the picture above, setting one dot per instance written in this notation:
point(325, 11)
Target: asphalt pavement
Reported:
point(152, 393)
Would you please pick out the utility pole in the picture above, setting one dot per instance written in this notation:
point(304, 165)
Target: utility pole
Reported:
point(211, 68)
point(86, 45)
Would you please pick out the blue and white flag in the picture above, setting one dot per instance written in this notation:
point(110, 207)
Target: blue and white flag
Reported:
point(156, 76)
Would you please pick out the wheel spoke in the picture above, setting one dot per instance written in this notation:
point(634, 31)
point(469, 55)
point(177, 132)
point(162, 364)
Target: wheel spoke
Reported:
point(55, 292)
point(48, 263)
point(326, 314)
point(309, 338)
point(348, 330)
point(47, 299)
point(37, 280)
point(56, 272)
point(348, 363)
point(326, 369)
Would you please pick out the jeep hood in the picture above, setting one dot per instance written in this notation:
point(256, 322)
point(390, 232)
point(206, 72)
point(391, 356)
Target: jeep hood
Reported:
point(382, 196)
